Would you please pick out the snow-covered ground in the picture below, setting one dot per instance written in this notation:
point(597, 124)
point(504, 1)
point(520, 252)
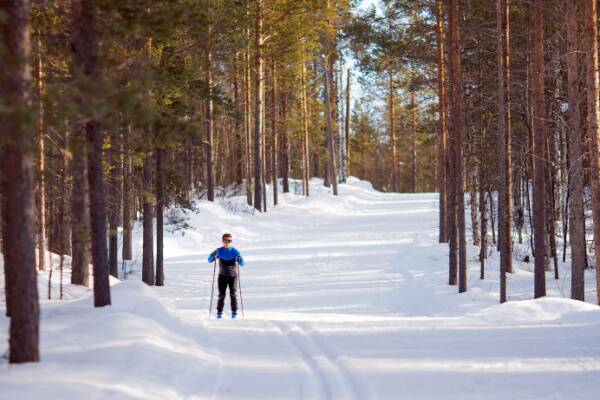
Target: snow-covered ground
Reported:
point(345, 298)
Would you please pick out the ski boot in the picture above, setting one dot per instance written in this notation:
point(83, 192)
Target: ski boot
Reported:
point(234, 315)
point(219, 315)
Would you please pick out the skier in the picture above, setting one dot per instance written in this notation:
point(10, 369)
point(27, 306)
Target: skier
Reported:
point(228, 276)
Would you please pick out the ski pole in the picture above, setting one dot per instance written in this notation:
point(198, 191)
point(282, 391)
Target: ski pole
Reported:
point(240, 286)
point(212, 289)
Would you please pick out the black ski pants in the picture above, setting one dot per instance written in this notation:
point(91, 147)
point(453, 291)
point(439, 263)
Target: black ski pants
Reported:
point(224, 282)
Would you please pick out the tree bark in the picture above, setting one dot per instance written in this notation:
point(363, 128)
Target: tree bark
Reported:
point(127, 197)
point(247, 108)
point(239, 134)
point(258, 107)
point(114, 205)
point(305, 154)
point(576, 225)
point(539, 195)
point(85, 60)
point(413, 143)
point(148, 245)
point(41, 167)
point(391, 108)
point(210, 174)
point(80, 234)
point(18, 184)
point(274, 138)
point(504, 147)
point(160, 276)
point(593, 123)
point(285, 167)
point(332, 165)
point(456, 98)
point(347, 124)
point(442, 112)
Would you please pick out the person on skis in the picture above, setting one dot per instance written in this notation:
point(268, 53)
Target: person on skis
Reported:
point(228, 275)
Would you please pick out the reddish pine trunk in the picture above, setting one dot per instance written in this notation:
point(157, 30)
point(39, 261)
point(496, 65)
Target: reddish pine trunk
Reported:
point(413, 144)
point(210, 175)
point(391, 107)
point(275, 140)
point(347, 125)
point(239, 146)
point(18, 211)
point(41, 180)
point(332, 165)
point(258, 108)
point(286, 147)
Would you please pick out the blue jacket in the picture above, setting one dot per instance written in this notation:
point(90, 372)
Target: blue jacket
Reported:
point(227, 259)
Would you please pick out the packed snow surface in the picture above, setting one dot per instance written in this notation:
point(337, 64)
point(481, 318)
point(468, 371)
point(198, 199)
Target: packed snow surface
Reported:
point(345, 298)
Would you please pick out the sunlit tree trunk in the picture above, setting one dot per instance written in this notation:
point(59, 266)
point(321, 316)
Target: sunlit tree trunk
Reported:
point(274, 138)
point(41, 165)
point(258, 107)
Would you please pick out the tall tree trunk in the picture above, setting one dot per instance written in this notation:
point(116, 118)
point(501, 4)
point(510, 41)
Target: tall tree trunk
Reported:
point(80, 234)
point(275, 140)
point(285, 167)
point(456, 98)
point(160, 276)
point(148, 245)
point(305, 154)
point(18, 211)
point(210, 174)
point(539, 193)
point(258, 107)
point(347, 125)
point(127, 198)
point(593, 123)
point(85, 60)
point(483, 211)
point(391, 108)
point(576, 231)
point(247, 108)
point(504, 147)
point(239, 146)
point(114, 205)
point(413, 143)
point(332, 167)
point(442, 112)
point(41, 179)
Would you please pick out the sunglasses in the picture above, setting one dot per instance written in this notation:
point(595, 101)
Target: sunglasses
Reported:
point(227, 241)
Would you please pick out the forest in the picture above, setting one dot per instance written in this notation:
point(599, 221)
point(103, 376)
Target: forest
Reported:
point(115, 113)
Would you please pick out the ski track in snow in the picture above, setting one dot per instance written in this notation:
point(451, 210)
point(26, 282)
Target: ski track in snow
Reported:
point(345, 298)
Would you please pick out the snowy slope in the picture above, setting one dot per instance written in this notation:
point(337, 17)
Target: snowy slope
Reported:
point(345, 298)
